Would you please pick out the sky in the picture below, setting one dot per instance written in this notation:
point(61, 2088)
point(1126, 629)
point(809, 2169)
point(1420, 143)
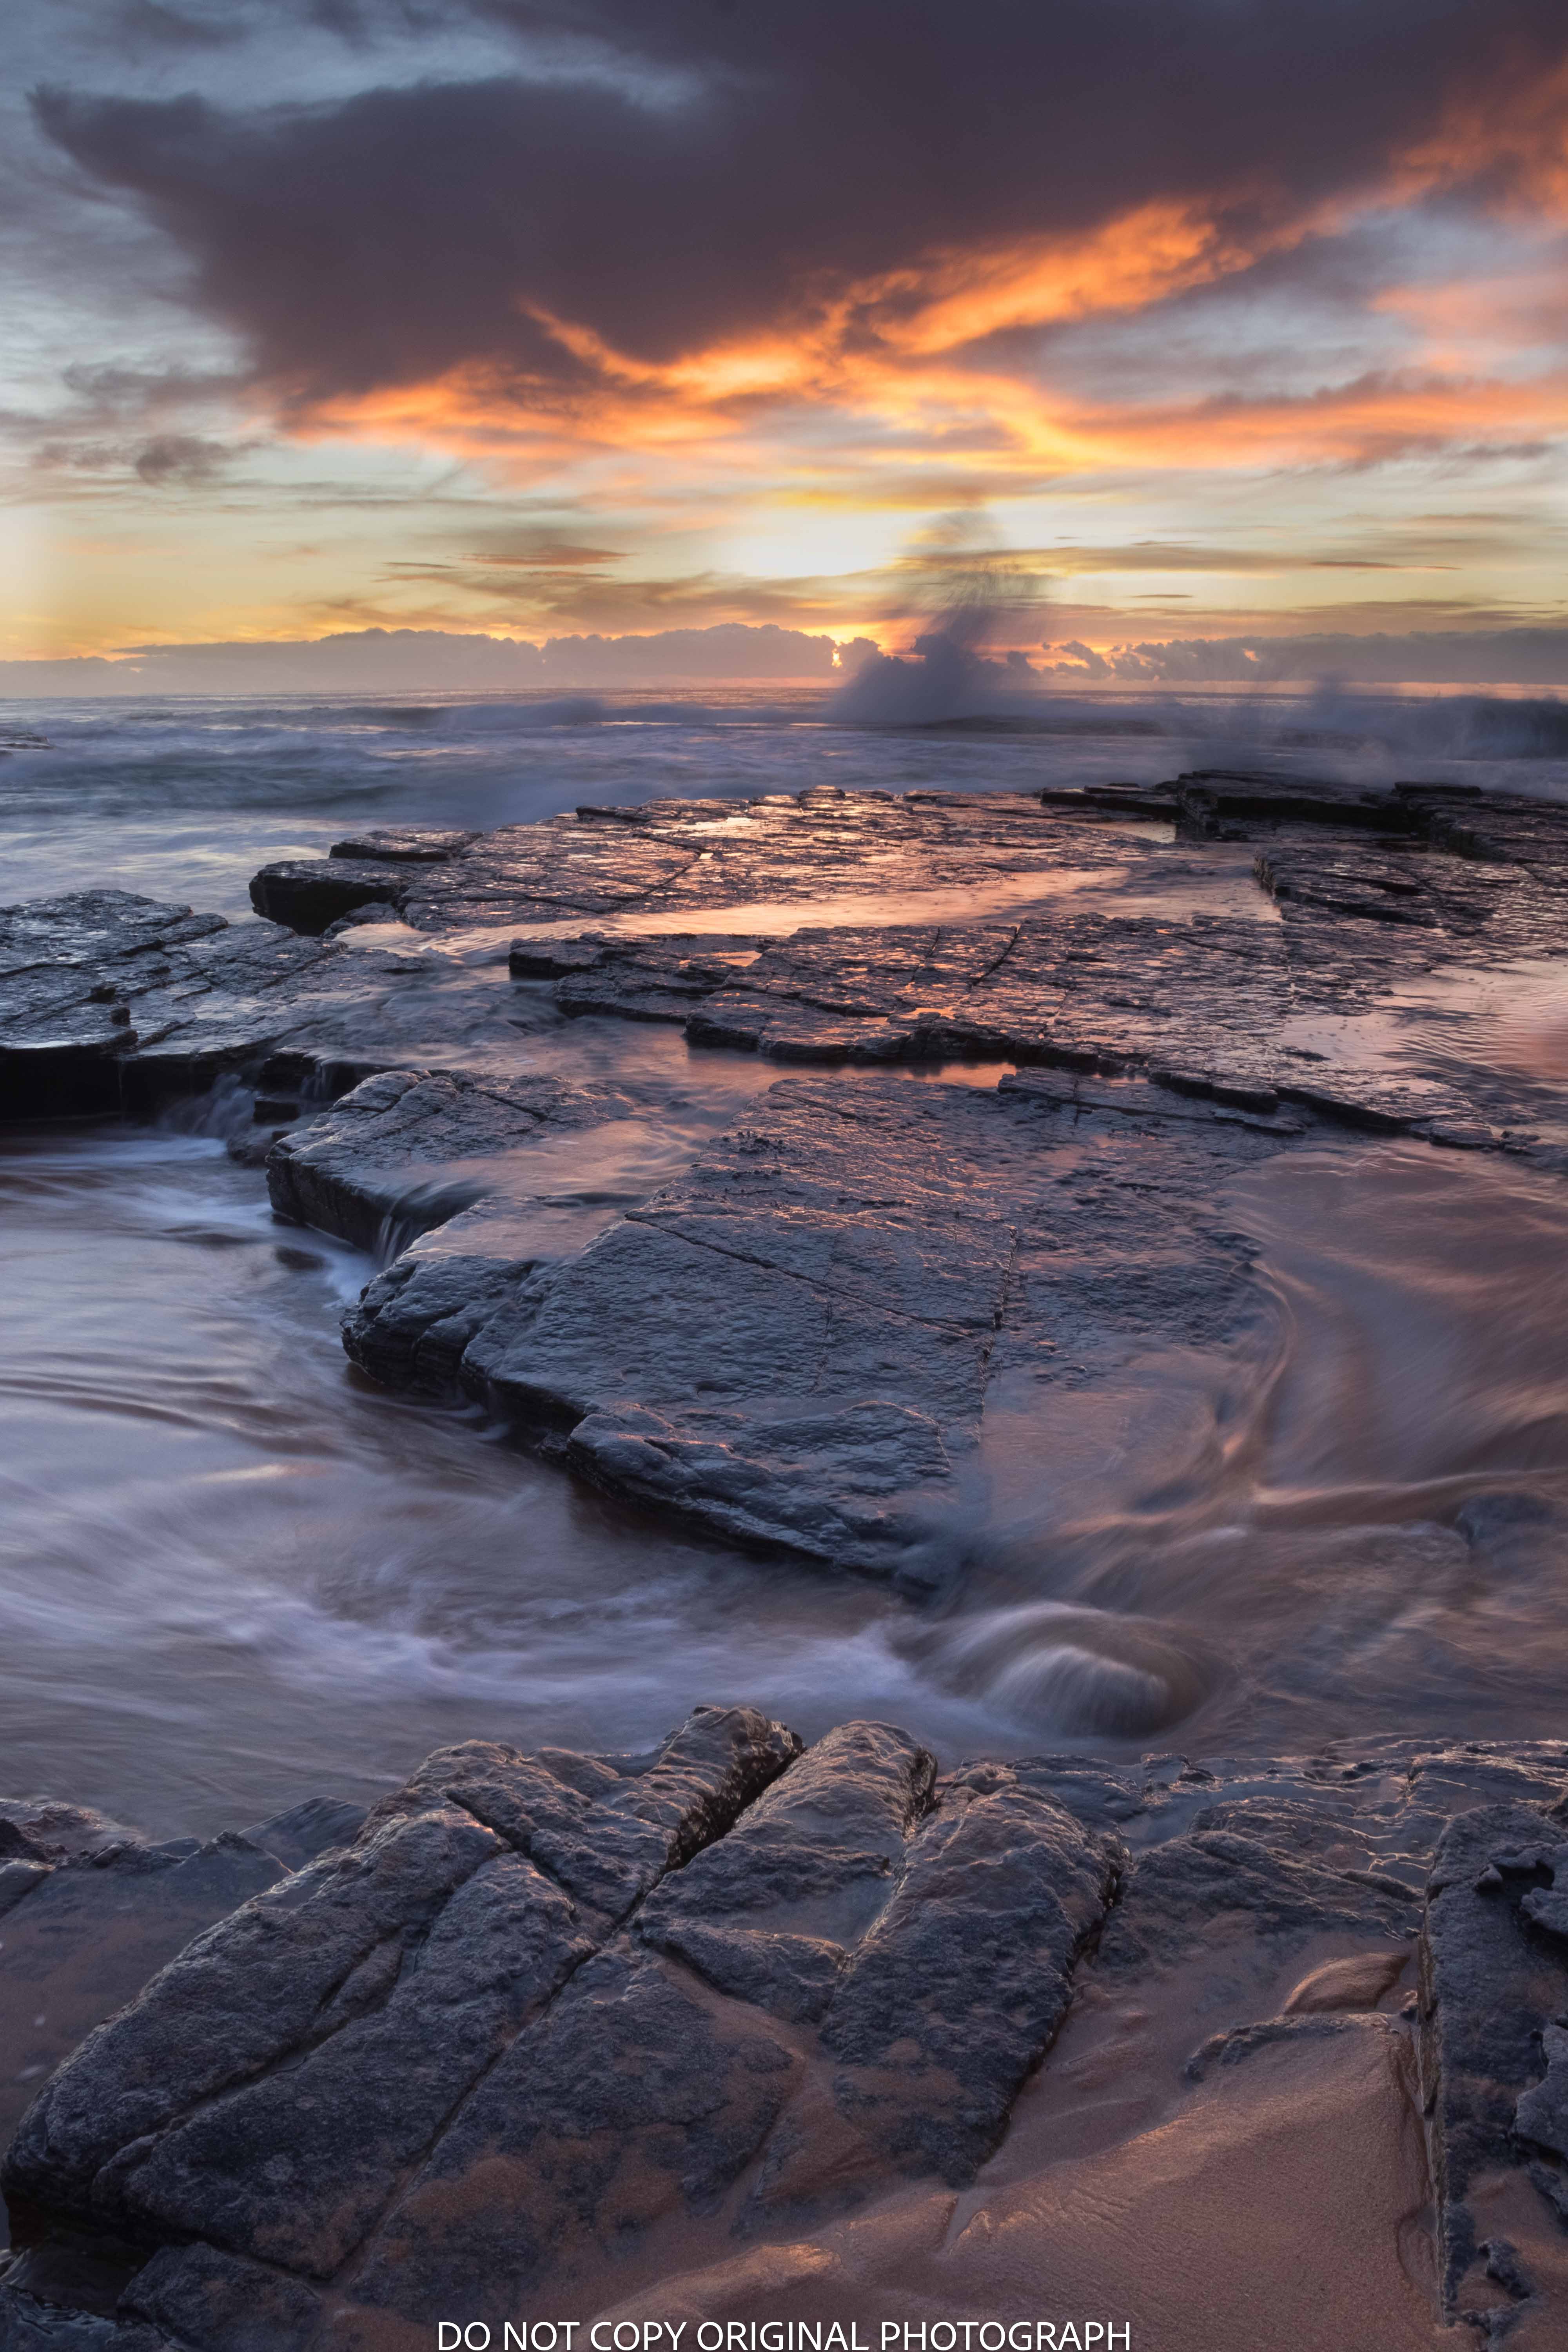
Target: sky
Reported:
point(1224, 338)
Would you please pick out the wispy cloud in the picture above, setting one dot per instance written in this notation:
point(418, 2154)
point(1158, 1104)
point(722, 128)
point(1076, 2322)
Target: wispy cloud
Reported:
point(694, 306)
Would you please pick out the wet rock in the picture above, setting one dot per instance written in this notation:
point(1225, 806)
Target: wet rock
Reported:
point(740, 1350)
point(294, 2168)
point(1176, 1893)
point(17, 1878)
point(1494, 829)
point(673, 854)
point(1541, 2115)
point(236, 2002)
point(15, 1844)
point(1491, 1987)
point(633, 2098)
point(413, 1324)
point(28, 2324)
point(1086, 992)
point(636, 979)
point(1237, 802)
point(108, 1000)
point(269, 2086)
point(70, 970)
point(793, 1344)
point(727, 1988)
point(215, 2302)
point(1380, 888)
point(409, 1150)
point(308, 894)
point(960, 1987)
point(405, 845)
point(609, 1842)
point(1093, 1792)
point(1202, 1005)
point(296, 1836)
point(83, 1934)
point(769, 1913)
point(438, 2046)
point(936, 1946)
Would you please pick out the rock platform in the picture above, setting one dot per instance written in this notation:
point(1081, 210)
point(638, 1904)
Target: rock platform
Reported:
point(790, 1345)
point(741, 2027)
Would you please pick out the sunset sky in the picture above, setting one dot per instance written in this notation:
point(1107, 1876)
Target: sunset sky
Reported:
point(1208, 319)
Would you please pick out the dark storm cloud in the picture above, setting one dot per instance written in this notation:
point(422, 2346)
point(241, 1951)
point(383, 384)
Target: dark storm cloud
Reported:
point(149, 25)
point(675, 174)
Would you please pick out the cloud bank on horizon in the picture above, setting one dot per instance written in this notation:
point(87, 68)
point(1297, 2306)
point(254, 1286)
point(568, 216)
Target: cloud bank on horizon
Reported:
point(1243, 325)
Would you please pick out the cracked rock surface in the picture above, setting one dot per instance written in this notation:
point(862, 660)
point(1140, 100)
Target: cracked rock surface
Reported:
point(558, 2027)
point(793, 1344)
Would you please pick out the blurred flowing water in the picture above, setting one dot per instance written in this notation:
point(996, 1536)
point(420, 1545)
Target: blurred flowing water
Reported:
point(232, 1574)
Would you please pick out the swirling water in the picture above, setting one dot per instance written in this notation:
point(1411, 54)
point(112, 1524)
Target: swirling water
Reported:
point(232, 1574)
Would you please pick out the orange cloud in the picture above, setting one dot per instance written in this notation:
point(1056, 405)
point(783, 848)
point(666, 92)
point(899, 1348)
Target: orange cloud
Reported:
point(958, 296)
point(884, 393)
point(848, 348)
point(898, 431)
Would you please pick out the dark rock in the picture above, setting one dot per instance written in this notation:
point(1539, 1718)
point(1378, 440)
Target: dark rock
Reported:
point(265, 2092)
point(1491, 1985)
point(945, 1942)
point(771, 1912)
point(1225, 800)
point(308, 894)
point(547, 2004)
point(1552, 2183)
point(409, 1150)
point(70, 970)
point(411, 1326)
point(1094, 1793)
point(81, 1938)
point(29, 2325)
point(110, 1002)
point(1543, 2113)
point(792, 1346)
point(740, 1350)
point(633, 2097)
point(106, 1000)
point(1503, 2265)
point(608, 1847)
point(17, 1878)
point(668, 978)
point(297, 1835)
point(239, 1999)
point(436, 2045)
point(294, 2168)
point(216, 2303)
point(1176, 1893)
point(960, 1987)
point(1380, 888)
point(406, 844)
